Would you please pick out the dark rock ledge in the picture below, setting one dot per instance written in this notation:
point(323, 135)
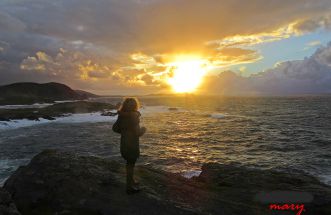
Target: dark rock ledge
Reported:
point(55, 110)
point(7, 206)
point(64, 183)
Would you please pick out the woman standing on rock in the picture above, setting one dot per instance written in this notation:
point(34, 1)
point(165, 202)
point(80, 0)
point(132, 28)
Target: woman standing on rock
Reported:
point(127, 125)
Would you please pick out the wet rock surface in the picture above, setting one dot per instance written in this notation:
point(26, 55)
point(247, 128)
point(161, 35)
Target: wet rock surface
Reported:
point(56, 182)
point(7, 206)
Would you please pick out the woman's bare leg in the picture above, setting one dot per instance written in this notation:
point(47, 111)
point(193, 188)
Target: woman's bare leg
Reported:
point(130, 183)
point(129, 175)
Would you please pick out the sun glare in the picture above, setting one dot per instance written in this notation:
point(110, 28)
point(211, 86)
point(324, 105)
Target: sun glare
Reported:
point(187, 75)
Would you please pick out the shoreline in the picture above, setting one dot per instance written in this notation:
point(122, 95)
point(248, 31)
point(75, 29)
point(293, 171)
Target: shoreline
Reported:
point(100, 115)
point(93, 117)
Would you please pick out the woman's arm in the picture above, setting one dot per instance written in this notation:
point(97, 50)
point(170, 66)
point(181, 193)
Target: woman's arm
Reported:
point(116, 126)
point(140, 131)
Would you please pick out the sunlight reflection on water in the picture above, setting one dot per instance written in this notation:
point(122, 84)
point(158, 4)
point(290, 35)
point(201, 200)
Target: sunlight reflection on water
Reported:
point(277, 133)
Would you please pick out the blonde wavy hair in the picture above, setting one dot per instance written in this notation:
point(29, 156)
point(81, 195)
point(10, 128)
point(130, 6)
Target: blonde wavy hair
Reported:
point(129, 105)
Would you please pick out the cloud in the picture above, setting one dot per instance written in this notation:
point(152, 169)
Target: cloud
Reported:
point(254, 39)
point(226, 57)
point(128, 42)
point(309, 76)
point(313, 43)
point(148, 79)
point(66, 64)
point(10, 23)
point(313, 24)
point(323, 55)
point(98, 74)
point(31, 63)
point(3, 47)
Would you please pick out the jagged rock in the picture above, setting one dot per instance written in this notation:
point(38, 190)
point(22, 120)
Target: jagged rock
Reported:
point(55, 110)
point(56, 182)
point(48, 117)
point(108, 113)
point(173, 109)
point(4, 119)
point(7, 206)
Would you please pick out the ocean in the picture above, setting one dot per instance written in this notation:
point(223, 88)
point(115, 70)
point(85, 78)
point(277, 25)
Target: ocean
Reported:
point(287, 134)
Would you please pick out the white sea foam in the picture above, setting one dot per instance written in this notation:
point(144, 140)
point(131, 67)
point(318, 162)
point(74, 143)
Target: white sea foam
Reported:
point(35, 105)
point(65, 101)
point(9, 165)
point(13, 124)
point(79, 118)
point(191, 173)
point(326, 179)
point(217, 115)
point(86, 117)
point(72, 118)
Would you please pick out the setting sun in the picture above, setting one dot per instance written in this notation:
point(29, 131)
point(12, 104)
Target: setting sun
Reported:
point(187, 75)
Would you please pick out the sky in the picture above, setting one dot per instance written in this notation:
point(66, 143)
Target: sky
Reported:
point(109, 47)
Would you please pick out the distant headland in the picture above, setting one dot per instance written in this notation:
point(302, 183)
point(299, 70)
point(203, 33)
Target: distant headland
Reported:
point(30, 93)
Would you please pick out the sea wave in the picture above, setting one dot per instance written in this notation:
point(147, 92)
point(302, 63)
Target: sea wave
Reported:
point(9, 165)
point(80, 117)
point(325, 178)
point(72, 118)
point(191, 173)
point(217, 115)
point(35, 105)
point(160, 109)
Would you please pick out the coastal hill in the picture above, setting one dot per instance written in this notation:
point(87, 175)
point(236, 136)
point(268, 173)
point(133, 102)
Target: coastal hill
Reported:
point(56, 182)
point(29, 93)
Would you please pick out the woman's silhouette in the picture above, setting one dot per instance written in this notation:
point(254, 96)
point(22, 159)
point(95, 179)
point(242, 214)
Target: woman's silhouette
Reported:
point(127, 125)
